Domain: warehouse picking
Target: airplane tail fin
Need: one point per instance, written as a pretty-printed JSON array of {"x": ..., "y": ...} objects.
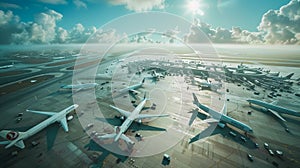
[
  {"x": 9, "y": 134},
  {"x": 146, "y": 97},
  {"x": 289, "y": 76},
  {"x": 12, "y": 139},
  {"x": 196, "y": 101}
]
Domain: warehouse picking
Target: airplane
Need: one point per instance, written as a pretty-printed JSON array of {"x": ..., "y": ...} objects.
[
  {"x": 103, "y": 76},
  {"x": 133, "y": 88},
  {"x": 210, "y": 86},
  {"x": 78, "y": 87},
  {"x": 7, "y": 66},
  {"x": 155, "y": 76},
  {"x": 130, "y": 117},
  {"x": 217, "y": 117},
  {"x": 17, "y": 138},
  {"x": 280, "y": 77},
  {"x": 274, "y": 109}
]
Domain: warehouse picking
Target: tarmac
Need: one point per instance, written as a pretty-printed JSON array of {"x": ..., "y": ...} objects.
[{"x": 170, "y": 95}]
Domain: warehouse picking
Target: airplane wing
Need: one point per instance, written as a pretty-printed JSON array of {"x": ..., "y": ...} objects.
[
  {"x": 20, "y": 144},
  {"x": 107, "y": 136},
  {"x": 126, "y": 139},
  {"x": 134, "y": 91},
  {"x": 205, "y": 133},
  {"x": 193, "y": 117},
  {"x": 274, "y": 102},
  {"x": 277, "y": 115},
  {"x": 142, "y": 116},
  {"x": 123, "y": 112},
  {"x": 211, "y": 121},
  {"x": 77, "y": 90},
  {"x": 42, "y": 112},
  {"x": 64, "y": 124},
  {"x": 224, "y": 109}
]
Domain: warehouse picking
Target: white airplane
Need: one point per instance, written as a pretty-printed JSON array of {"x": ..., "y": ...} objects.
[
  {"x": 156, "y": 76},
  {"x": 130, "y": 117},
  {"x": 103, "y": 76},
  {"x": 78, "y": 87},
  {"x": 271, "y": 107},
  {"x": 211, "y": 86},
  {"x": 6, "y": 66},
  {"x": 217, "y": 117},
  {"x": 280, "y": 77},
  {"x": 16, "y": 138},
  {"x": 133, "y": 88}
]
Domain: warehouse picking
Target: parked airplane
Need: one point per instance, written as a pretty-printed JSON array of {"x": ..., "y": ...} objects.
[
  {"x": 6, "y": 66},
  {"x": 133, "y": 88},
  {"x": 210, "y": 86},
  {"x": 280, "y": 77},
  {"x": 217, "y": 117},
  {"x": 103, "y": 76},
  {"x": 271, "y": 107},
  {"x": 16, "y": 138},
  {"x": 78, "y": 87},
  {"x": 155, "y": 76},
  {"x": 130, "y": 117}
]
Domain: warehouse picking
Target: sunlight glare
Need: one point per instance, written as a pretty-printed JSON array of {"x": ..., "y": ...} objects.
[{"x": 194, "y": 6}]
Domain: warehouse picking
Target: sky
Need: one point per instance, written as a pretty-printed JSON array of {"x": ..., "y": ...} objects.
[{"x": 223, "y": 21}]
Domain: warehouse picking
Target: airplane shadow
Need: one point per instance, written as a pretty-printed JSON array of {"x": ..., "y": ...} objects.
[
  {"x": 214, "y": 129},
  {"x": 282, "y": 123},
  {"x": 94, "y": 146},
  {"x": 225, "y": 132},
  {"x": 51, "y": 133}
]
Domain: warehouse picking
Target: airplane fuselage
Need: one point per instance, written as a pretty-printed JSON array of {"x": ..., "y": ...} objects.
[
  {"x": 224, "y": 118},
  {"x": 81, "y": 86},
  {"x": 126, "y": 124},
  {"x": 278, "y": 109}
]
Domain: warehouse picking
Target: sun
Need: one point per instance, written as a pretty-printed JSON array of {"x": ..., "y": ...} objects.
[{"x": 193, "y": 6}]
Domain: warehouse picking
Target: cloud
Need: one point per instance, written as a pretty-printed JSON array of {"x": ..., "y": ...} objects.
[
  {"x": 200, "y": 32},
  {"x": 276, "y": 27},
  {"x": 46, "y": 25},
  {"x": 9, "y": 5},
  {"x": 61, "y": 35},
  {"x": 54, "y": 2},
  {"x": 282, "y": 26},
  {"x": 9, "y": 24},
  {"x": 42, "y": 30},
  {"x": 244, "y": 36},
  {"x": 79, "y": 4},
  {"x": 172, "y": 34},
  {"x": 139, "y": 5}
]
